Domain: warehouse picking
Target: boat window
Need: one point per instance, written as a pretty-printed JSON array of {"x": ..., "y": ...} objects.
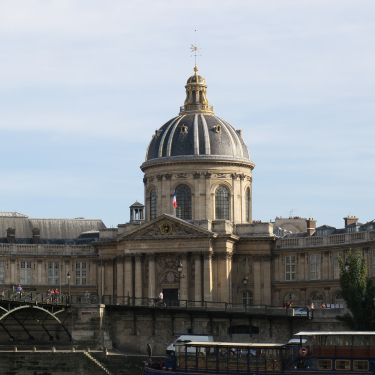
[
  {"x": 360, "y": 365},
  {"x": 361, "y": 341},
  {"x": 334, "y": 341},
  {"x": 272, "y": 353},
  {"x": 324, "y": 364},
  {"x": 342, "y": 364}
]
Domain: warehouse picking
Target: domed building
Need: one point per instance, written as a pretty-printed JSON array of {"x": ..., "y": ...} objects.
[
  {"x": 201, "y": 249},
  {"x": 203, "y": 159}
]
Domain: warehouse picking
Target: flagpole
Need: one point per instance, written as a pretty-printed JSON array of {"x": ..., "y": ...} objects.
[{"x": 174, "y": 203}]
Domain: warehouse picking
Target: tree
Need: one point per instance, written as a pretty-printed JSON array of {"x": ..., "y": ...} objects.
[{"x": 358, "y": 292}]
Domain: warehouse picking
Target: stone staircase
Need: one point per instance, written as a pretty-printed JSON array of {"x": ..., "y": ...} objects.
[{"x": 104, "y": 369}]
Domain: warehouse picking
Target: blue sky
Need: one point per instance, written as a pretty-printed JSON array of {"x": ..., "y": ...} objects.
[{"x": 84, "y": 84}]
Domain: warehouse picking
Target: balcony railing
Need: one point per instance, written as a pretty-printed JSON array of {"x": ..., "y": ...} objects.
[
  {"x": 329, "y": 240},
  {"x": 197, "y": 107}
]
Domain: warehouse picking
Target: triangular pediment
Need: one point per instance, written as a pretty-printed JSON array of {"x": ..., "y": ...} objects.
[{"x": 166, "y": 226}]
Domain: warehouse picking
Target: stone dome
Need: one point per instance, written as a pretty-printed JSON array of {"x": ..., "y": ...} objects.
[
  {"x": 197, "y": 132},
  {"x": 197, "y": 135}
]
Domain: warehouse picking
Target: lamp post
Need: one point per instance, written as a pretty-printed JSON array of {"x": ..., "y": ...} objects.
[
  {"x": 68, "y": 277},
  {"x": 245, "y": 281},
  {"x": 180, "y": 268},
  {"x": 347, "y": 265}
]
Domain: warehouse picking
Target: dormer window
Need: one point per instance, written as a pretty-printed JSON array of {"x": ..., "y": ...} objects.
[
  {"x": 183, "y": 129},
  {"x": 217, "y": 129}
]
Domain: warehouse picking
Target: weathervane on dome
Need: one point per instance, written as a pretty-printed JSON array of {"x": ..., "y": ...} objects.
[{"x": 195, "y": 49}]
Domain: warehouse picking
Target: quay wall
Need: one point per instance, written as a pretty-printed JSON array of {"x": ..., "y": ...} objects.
[{"x": 129, "y": 332}]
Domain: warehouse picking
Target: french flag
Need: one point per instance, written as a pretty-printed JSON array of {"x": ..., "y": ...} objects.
[{"x": 174, "y": 200}]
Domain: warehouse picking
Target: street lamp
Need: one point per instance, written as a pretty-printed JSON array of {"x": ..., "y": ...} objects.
[
  {"x": 245, "y": 281},
  {"x": 68, "y": 277},
  {"x": 180, "y": 268},
  {"x": 347, "y": 265}
]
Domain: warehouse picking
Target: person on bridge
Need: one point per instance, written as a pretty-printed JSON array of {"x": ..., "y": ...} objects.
[
  {"x": 56, "y": 294},
  {"x": 161, "y": 296},
  {"x": 19, "y": 289}
]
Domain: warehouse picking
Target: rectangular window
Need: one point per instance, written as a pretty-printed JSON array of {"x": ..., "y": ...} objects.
[
  {"x": 53, "y": 273},
  {"x": 360, "y": 365},
  {"x": 314, "y": 266},
  {"x": 290, "y": 267},
  {"x": 25, "y": 273},
  {"x": 2, "y": 272},
  {"x": 342, "y": 365},
  {"x": 81, "y": 273},
  {"x": 336, "y": 266},
  {"x": 324, "y": 364}
]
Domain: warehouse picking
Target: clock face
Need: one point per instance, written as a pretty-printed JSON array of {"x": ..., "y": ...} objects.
[{"x": 166, "y": 228}]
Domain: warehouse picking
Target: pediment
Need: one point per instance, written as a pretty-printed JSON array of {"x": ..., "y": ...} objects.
[{"x": 178, "y": 229}]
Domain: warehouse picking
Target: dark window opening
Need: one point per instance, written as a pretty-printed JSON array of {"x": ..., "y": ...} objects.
[
  {"x": 222, "y": 203},
  {"x": 243, "y": 330},
  {"x": 183, "y": 197},
  {"x": 153, "y": 204}
]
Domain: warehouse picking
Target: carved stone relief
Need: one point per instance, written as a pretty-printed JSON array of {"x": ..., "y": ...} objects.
[
  {"x": 182, "y": 175},
  {"x": 167, "y": 261},
  {"x": 221, "y": 175},
  {"x": 196, "y": 175},
  {"x": 168, "y": 176}
]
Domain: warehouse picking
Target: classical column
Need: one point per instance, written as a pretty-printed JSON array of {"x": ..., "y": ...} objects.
[
  {"x": 267, "y": 280},
  {"x": 138, "y": 276},
  {"x": 207, "y": 270},
  {"x": 151, "y": 276},
  {"x": 108, "y": 276},
  {"x": 224, "y": 268},
  {"x": 120, "y": 276},
  {"x": 129, "y": 275},
  {"x": 198, "y": 276},
  {"x": 209, "y": 198},
  {"x": 184, "y": 280},
  {"x": 257, "y": 297}
]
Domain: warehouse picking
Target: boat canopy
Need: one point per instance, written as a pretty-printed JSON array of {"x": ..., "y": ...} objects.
[
  {"x": 346, "y": 333},
  {"x": 233, "y": 344}
]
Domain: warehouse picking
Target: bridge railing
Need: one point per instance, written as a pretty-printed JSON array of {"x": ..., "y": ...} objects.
[{"x": 200, "y": 306}]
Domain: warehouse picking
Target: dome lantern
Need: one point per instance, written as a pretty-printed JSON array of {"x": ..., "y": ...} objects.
[{"x": 196, "y": 97}]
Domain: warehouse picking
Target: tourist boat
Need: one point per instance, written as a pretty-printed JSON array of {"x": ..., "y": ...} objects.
[{"x": 312, "y": 353}]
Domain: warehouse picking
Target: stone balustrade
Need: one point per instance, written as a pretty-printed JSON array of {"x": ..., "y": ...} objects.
[
  {"x": 326, "y": 241},
  {"x": 18, "y": 249}
]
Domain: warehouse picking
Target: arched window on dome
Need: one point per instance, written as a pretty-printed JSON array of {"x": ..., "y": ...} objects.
[
  {"x": 247, "y": 204},
  {"x": 222, "y": 203},
  {"x": 153, "y": 203},
  {"x": 183, "y": 197}
]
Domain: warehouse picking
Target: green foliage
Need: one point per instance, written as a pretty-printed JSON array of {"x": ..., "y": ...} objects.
[{"x": 358, "y": 292}]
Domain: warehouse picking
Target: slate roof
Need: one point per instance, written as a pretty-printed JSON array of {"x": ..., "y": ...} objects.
[
  {"x": 201, "y": 138},
  {"x": 50, "y": 229}
]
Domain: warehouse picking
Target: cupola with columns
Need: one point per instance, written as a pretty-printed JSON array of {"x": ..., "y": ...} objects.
[{"x": 204, "y": 159}]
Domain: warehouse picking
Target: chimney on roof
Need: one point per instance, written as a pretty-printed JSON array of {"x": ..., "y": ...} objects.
[
  {"x": 350, "y": 220},
  {"x": 11, "y": 235},
  {"x": 36, "y": 236},
  {"x": 311, "y": 226}
]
